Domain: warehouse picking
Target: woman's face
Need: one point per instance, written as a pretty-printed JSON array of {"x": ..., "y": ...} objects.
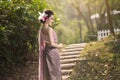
[{"x": 50, "y": 20}]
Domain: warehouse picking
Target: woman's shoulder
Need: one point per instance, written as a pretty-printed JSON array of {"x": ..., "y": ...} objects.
[{"x": 50, "y": 28}]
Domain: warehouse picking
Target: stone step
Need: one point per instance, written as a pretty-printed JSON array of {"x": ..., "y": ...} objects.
[
  {"x": 69, "y": 57},
  {"x": 67, "y": 61},
  {"x": 69, "y": 53},
  {"x": 66, "y": 72},
  {"x": 80, "y": 44},
  {"x": 67, "y": 66},
  {"x": 73, "y": 49},
  {"x": 65, "y": 77},
  {"x": 75, "y": 46}
]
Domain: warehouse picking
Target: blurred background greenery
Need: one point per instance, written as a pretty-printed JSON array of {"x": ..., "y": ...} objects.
[{"x": 81, "y": 19}]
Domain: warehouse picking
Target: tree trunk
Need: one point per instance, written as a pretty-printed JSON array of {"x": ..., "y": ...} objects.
[
  {"x": 86, "y": 21},
  {"x": 79, "y": 24},
  {"x": 90, "y": 21},
  {"x": 109, "y": 17},
  {"x": 81, "y": 15}
]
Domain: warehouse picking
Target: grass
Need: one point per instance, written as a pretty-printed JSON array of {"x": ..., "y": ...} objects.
[{"x": 102, "y": 61}]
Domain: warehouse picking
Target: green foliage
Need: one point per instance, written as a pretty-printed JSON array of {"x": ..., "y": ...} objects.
[
  {"x": 89, "y": 38},
  {"x": 102, "y": 61},
  {"x": 18, "y": 32},
  {"x": 114, "y": 44},
  {"x": 68, "y": 35}
]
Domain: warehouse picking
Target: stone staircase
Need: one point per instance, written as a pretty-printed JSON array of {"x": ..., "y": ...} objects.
[{"x": 68, "y": 58}]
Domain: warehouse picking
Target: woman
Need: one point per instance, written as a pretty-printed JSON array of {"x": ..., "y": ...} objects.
[{"x": 49, "y": 62}]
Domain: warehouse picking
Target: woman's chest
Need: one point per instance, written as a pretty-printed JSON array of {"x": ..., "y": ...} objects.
[{"x": 45, "y": 37}]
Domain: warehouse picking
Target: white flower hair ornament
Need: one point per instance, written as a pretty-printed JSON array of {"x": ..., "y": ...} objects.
[{"x": 42, "y": 16}]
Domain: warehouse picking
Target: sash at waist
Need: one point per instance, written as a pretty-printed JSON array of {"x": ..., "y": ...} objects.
[{"x": 50, "y": 47}]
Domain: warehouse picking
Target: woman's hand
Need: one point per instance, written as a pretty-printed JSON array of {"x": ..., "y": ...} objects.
[
  {"x": 46, "y": 42},
  {"x": 60, "y": 45}
]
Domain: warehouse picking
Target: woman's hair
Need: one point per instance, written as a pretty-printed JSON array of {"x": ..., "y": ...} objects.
[{"x": 48, "y": 13}]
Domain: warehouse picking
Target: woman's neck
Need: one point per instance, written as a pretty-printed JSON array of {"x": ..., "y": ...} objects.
[
  {"x": 45, "y": 25},
  {"x": 45, "y": 28}
]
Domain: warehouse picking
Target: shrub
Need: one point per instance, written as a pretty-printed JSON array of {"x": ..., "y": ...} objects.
[
  {"x": 102, "y": 61},
  {"x": 18, "y": 32}
]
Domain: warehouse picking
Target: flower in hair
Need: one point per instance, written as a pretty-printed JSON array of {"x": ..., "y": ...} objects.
[{"x": 42, "y": 16}]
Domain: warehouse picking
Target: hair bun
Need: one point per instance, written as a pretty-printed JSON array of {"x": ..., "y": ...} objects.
[{"x": 46, "y": 14}]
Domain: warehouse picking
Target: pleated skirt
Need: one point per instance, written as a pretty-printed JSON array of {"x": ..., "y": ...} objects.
[{"x": 51, "y": 64}]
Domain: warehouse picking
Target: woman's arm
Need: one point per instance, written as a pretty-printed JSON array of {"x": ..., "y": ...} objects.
[{"x": 51, "y": 39}]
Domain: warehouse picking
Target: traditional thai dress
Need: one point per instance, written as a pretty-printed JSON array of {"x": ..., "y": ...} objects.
[{"x": 49, "y": 61}]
